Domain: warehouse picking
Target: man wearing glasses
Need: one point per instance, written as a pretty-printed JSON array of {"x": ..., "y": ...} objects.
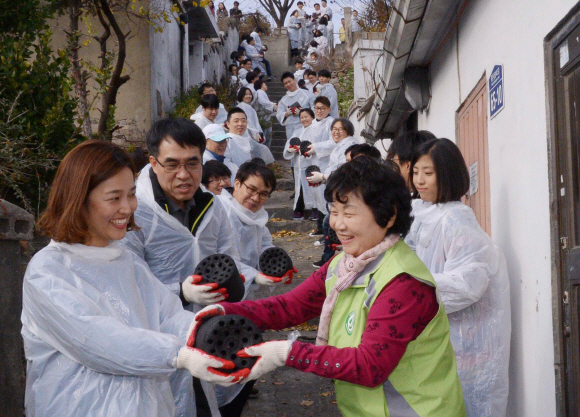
[{"x": 179, "y": 225}]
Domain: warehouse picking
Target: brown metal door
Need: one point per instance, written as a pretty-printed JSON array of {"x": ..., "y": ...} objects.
[
  {"x": 472, "y": 140},
  {"x": 567, "y": 91}
]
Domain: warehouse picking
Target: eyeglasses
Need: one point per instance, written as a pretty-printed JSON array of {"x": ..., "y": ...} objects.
[
  {"x": 218, "y": 180},
  {"x": 264, "y": 195},
  {"x": 320, "y": 108},
  {"x": 337, "y": 129},
  {"x": 172, "y": 167}
]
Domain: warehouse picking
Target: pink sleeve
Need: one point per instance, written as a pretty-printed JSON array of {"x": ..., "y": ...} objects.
[
  {"x": 398, "y": 316},
  {"x": 295, "y": 307}
]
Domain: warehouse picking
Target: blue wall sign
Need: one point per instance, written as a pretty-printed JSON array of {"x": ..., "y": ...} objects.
[{"x": 496, "y": 96}]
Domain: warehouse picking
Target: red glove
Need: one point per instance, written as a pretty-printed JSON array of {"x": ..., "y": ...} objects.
[{"x": 199, "y": 318}]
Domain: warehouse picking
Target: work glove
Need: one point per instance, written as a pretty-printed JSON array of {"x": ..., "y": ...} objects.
[
  {"x": 315, "y": 178},
  {"x": 263, "y": 279},
  {"x": 206, "y": 367},
  {"x": 293, "y": 149},
  {"x": 202, "y": 315},
  {"x": 311, "y": 150},
  {"x": 271, "y": 356},
  {"x": 262, "y": 139},
  {"x": 202, "y": 294}
]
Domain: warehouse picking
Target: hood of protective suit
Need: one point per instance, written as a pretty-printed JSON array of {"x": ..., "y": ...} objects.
[
  {"x": 260, "y": 218},
  {"x": 107, "y": 253},
  {"x": 241, "y": 142}
]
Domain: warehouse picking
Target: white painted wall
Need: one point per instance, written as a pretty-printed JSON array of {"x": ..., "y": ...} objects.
[
  {"x": 367, "y": 64},
  {"x": 165, "y": 67},
  {"x": 511, "y": 33}
]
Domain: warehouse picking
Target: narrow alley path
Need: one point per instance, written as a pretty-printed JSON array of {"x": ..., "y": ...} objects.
[{"x": 286, "y": 391}]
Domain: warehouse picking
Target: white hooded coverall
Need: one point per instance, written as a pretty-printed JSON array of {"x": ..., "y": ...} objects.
[
  {"x": 101, "y": 334},
  {"x": 471, "y": 275},
  {"x": 300, "y": 165}
]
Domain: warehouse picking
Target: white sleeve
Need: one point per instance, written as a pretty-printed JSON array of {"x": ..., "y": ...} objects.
[
  {"x": 470, "y": 259},
  {"x": 281, "y": 112},
  {"x": 325, "y": 147},
  {"x": 71, "y": 322}
]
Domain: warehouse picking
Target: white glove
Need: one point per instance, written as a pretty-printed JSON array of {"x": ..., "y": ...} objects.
[
  {"x": 272, "y": 355},
  {"x": 202, "y": 315},
  {"x": 311, "y": 150},
  {"x": 315, "y": 178},
  {"x": 206, "y": 367},
  {"x": 202, "y": 294}
]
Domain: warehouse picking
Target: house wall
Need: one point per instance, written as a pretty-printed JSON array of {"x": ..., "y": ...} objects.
[
  {"x": 511, "y": 33},
  {"x": 209, "y": 60}
]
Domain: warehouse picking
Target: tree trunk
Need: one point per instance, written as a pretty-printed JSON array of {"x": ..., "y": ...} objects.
[
  {"x": 110, "y": 96},
  {"x": 79, "y": 75}
]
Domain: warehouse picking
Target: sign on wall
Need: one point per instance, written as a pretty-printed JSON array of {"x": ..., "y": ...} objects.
[{"x": 496, "y": 91}]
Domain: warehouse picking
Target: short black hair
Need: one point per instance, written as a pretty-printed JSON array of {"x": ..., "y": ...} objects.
[
  {"x": 202, "y": 87},
  {"x": 405, "y": 145},
  {"x": 346, "y": 125},
  {"x": 310, "y": 71},
  {"x": 210, "y": 101},
  {"x": 250, "y": 76},
  {"x": 381, "y": 188},
  {"x": 258, "y": 84},
  {"x": 307, "y": 110},
  {"x": 298, "y": 61},
  {"x": 242, "y": 93},
  {"x": 232, "y": 66},
  {"x": 234, "y": 55},
  {"x": 258, "y": 160},
  {"x": 450, "y": 169},
  {"x": 287, "y": 74},
  {"x": 325, "y": 73},
  {"x": 323, "y": 21},
  {"x": 364, "y": 149},
  {"x": 235, "y": 110},
  {"x": 184, "y": 132},
  {"x": 245, "y": 61},
  {"x": 314, "y": 44},
  {"x": 250, "y": 168},
  {"x": 214, "y": 169},
  {"x": 323, "y": 100},
  {"x": 259, "y": 30},
  {"x": 302, "y": 84}
]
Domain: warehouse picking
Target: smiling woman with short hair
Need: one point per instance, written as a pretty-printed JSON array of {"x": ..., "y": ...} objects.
[{"x": 383, "y": 335}]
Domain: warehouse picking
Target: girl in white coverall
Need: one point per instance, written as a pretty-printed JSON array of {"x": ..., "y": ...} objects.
[
  {"x": 470, "y": 272},
  {"x": 101, "y": 333}
]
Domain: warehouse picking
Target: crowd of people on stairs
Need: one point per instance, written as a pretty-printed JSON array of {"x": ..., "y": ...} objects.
[{"x": 412, "y": 295}]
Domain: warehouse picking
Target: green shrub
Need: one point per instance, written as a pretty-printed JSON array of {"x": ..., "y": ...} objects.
[
  {"x": 345, "y": 91},
  {"x": 36, "y": 109},
  {"x": 185, "y": 105}
]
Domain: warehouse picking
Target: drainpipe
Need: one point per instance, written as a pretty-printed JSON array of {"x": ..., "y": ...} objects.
[{"x": 185, "y": 19}]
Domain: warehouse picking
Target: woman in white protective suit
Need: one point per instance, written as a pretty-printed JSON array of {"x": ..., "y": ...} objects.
[
  {"x": 470, "y": 272},
  {"x": 253, "y": 186},
  {"x": 101, "y": 333},
  {"x": 303, "y": 198}
]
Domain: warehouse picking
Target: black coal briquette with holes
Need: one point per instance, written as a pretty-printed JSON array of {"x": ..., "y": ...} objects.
[
  {"x": 304, "y": 146},
  {"x": 294, "y": 141},
  {"x": 275, "y": 262},
  {"x": 222, "y": 270},
  {"x": 332, "y": 237},
  {"x": 311, "y": 169},
  {"x": 224, "y": 336}
]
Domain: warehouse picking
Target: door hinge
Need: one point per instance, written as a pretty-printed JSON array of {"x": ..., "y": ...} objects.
[{"x": 564, "y": 242}]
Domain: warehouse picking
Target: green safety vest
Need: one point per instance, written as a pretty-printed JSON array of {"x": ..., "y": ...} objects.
[{"x": 424, "y": 382}]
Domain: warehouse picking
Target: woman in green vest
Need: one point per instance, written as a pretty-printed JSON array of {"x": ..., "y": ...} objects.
[{"x": 383, "y": 334}]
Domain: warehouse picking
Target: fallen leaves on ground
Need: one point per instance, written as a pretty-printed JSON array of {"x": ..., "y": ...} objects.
[
  {"x": 303, "y": 326},
  {"x": 278, "y": 383},
  {"x": 307, "y": 403},
  {"x": 285, "y": 233},
  {"x": 276, "y": 220},
  {"x": 325, "y": 394}
]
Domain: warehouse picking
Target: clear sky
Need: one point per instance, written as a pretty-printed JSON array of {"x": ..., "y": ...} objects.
[{"x": 252, "y": 5}]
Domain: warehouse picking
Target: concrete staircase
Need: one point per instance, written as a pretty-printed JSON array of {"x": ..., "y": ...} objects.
[{"x": 275, "y": 92}]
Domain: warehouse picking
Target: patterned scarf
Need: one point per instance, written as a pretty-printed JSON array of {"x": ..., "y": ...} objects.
[{"x": 349, "y": 268}]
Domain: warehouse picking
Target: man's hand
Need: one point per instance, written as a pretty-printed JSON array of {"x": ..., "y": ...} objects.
[
  {"x": 202, "y": 315},
  {"x": 315, "y": 178},
  {"x": 203, "y": 294}
]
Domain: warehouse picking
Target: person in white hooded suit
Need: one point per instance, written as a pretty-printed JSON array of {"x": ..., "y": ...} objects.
[
  {"x": 179, "y": 225},
  {"x": 102, "y": 335},
  {"x": 253, "y": 186},
  {"x": 243, "y": 144},
  {"x": 471, "y": 274},
  {"x": 289, "y": 106}
]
